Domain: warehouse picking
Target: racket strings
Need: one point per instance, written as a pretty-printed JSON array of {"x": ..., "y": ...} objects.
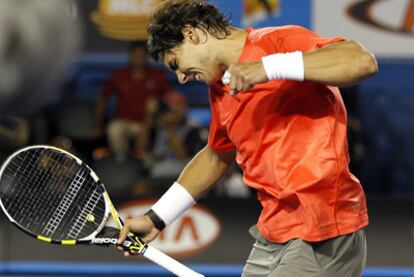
[
  {"x": 49, "y": 197},
  {"x": 20, "y": 204},
  {"x": 87, "y": 214},
  {"x": 47, "y": 192},
  {"x": 46, "y": 185},
  {"x": 28, "y": 186},
  {"x": 56, "y": 185},
  {"x": 65, "y": 203},
  {"x": 19, "y": 191},
  {"x": 85, "y": 211}
]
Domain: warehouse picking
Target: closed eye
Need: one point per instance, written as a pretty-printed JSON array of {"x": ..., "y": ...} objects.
[{"x": 173, "y": 65}]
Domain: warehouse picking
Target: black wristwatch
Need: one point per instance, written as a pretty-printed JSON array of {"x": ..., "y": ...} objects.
[{"x": 156, "y": 220}]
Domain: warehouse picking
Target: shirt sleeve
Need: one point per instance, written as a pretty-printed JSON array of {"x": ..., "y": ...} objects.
[
  {"x": 218, "y": 139},
  {"x": 296, "y": 38}
]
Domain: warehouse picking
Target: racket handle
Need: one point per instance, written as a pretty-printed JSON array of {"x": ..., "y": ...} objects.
[{"x": 169, "y": 263}]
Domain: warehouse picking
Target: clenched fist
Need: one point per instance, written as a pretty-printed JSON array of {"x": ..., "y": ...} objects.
[
  {"x": 141, "y": 226},
  {"x": 243, "y": 76}
]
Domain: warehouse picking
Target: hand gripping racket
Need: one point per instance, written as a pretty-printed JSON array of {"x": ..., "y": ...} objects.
[{"x": 53, "y": 196}]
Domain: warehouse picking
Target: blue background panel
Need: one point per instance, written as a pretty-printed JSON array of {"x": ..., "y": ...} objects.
[
  {"x": 149, "y": 270},
  {"x": 296, "y": 12}
]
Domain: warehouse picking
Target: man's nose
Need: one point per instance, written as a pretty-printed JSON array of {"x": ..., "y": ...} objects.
[{"x": 182, "y": 78}]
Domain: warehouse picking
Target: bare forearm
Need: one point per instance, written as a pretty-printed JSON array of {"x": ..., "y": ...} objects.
[
  {"x": 339, "y": 64},
  {"x": 204, "y": 170}
]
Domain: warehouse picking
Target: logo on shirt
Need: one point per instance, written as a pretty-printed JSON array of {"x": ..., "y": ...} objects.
[{"x": 388, "y": 15}]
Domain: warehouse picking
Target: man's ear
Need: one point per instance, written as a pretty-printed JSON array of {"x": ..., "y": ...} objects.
[{"x": 190, "y": 34}]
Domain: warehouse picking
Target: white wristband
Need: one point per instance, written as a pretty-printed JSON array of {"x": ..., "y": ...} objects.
[
  {"x": 173, "y": 203},
  {"x": 288, "y": 66}
]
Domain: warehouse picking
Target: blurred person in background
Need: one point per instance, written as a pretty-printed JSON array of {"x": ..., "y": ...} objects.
[
  {"x": 278, "y": 112},
  {"x": 175, "y": 138},
  {"x": 133, "y": 86},
  {"x": 38, "y": 39}
]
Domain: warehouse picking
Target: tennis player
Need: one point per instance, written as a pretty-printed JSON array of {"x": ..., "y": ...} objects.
[{"x": 281, "y": 117}]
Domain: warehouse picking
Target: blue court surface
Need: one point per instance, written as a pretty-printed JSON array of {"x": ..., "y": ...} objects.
[{"x": 147, "y": 270}]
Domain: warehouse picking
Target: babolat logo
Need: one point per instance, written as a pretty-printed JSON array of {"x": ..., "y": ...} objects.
[
  {"x": 382, "y": 14},
  {"x": 104, "y": 240},
  {"x": 110, "y": 241}
]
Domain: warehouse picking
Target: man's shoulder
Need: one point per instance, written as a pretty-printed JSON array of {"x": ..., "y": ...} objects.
[
  {"x": 260, "y": 33},
  {"x": 268, "y": 40}
]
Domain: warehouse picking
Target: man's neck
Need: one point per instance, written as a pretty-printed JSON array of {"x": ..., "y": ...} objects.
[{"x": 232, "y": 47}]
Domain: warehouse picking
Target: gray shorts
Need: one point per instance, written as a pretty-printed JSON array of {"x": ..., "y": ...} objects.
[{"x": 343, "y": 256}]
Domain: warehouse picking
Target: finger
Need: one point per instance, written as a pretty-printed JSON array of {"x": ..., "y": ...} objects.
[
  {"x": 123, "y": 234},
  {"x": 233, "y": 84},
  {"x": 247, "y": 86},
  {"x": 120, "y": 248},
  {"x": 239, "y": 84},
  {"x": 147, "y": 238},
  {"x": 126, "y": 253}
]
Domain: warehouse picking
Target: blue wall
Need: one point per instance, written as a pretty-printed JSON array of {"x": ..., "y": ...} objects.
[
  {"x": 291, "y": 12},
  {"x": 96, "y": 269}
]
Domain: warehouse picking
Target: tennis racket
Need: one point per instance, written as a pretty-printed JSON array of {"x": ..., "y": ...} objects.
[{"x": 53, "y": 196}]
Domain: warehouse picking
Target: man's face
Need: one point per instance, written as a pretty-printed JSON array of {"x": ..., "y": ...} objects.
[
  {"x": 193, "y": 62},
  {"x": 138, "y": 57}
]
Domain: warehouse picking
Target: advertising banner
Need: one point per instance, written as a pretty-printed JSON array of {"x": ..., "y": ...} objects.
[
  {"x": 109, "y": 24},
  {"x": 260, "y": 13},
  {"x": 189, "y": 235},
  {"x": 383, "y": 26},
  {"x": 123, "y": 19},
  {"x": 216, "y": 232}
]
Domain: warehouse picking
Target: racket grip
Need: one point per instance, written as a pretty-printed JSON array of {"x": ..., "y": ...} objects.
[{"x": 169, "y": 263}]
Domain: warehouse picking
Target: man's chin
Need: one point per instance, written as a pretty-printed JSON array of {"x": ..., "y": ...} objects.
[{"x": 207, "y": 81}]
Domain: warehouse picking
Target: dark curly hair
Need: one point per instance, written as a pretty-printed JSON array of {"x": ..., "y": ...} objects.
[{"x": 166, "y": 23}]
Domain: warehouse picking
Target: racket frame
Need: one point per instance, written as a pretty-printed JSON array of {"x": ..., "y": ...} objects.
[
  {"x": 89, "y": 238},
  {"x": 133, "y": 242}
]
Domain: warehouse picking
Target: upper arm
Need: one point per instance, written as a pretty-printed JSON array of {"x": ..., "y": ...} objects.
[{"x": 226, "y": 157}]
